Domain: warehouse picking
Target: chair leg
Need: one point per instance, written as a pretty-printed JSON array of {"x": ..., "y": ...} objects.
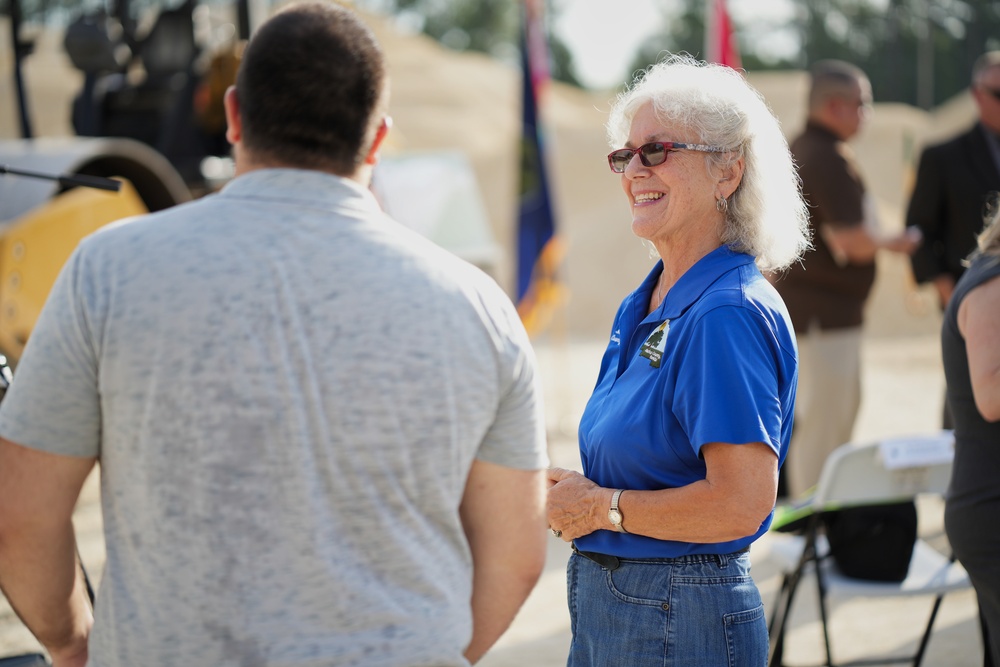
[
  {"x": 776, "y": 626},
  {"x": 783, "y": 605},
  {"x": 919, "y": 657},
  {"x": 782, "y": 610},
  {"x": 821, "y": 592}
]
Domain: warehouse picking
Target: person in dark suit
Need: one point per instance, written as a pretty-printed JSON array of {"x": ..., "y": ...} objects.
[{"x": 953, "y": 180}]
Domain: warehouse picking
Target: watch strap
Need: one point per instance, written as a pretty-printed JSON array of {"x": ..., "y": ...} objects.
[{"x": 616, "y": 511}]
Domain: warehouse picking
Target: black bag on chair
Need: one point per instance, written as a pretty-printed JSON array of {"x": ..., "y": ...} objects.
[{"x": 873, "y": 542}]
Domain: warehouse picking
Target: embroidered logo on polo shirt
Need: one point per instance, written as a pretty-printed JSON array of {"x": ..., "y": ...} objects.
[
  {"x": 616, "y": 337},
  {"x": 655, "y": 345}
]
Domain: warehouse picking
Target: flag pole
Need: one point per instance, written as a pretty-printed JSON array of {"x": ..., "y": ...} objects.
[
  {"x": 720, "y": 35},
  {"x": 539, "y": 249}
]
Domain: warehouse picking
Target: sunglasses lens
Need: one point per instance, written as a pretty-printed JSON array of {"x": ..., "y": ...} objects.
[
  {"x": 653, "y": 154},
  {"x": 650, "y": 155},
  {"x": 619, "y": 159}
]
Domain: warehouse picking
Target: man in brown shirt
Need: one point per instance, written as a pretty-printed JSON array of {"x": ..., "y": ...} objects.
[{"x": 826, "y": 292}]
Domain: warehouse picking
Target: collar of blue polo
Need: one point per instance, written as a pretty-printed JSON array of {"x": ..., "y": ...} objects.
[{"x": 692, "y": 284}]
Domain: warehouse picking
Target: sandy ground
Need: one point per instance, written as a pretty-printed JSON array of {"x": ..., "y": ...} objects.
[{"x": 903, "y": 386}]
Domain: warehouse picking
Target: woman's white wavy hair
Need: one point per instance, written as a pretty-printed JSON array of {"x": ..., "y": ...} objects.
[
  {"x": 767, "y": 216},
  {"x": 988, "y": 241}
]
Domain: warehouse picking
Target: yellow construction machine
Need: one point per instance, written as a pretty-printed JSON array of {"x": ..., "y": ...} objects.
[
  {"x": 145, "y": 116},
  {"x": 47, "y": 204}
]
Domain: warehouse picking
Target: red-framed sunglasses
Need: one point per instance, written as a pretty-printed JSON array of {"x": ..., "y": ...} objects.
[{"x": 653, "y": 153}]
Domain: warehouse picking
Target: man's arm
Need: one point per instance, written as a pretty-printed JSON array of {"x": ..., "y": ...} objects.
[
  {"x": 857, "y": 245},
  {"x": 926, "y": 212},
  {"x": 503, "y": 513},
  {"x": 849, "y": 215},
  {"x": 39, "y": 573},
  {"x": 944, "y": 285}
]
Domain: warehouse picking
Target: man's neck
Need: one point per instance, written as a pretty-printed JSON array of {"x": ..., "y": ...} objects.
[
  {"x": 995, "y": 131},
  {"x": 825, "y": 125},
  {"x": 245, "y": 163}
]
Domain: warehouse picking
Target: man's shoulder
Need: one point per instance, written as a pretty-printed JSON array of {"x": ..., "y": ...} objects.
[
  {"x": 954, "y": 144},
  {"x": 138, "y": 224},
  {"x": 430, "y": 255},
  {"x": 814, "y": 135},
  {"x": 816, "y": 149}
]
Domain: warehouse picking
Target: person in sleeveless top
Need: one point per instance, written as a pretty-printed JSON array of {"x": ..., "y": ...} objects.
[{"x": 970, "y": 343}]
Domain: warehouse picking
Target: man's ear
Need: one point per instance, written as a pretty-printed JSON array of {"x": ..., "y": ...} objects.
[
  {"x": 380, "y": 135},
  {"x": 234, "y": 128}
]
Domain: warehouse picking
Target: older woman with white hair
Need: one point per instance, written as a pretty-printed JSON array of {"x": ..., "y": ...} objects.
[{"x": 691, "y": 416}]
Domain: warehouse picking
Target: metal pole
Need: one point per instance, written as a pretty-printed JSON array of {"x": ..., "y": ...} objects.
[
  {"x": 120, "y": 11},
  {"x": 243, "y": 24},
  {"x": 925, "y": 63},
  {"x": 68, "y": 180},
  {"x": 21, "y": 49}
]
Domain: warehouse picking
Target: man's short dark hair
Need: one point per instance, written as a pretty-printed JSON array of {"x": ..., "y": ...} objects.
[
  {"x": 828, "y": 78},
  {"x": 310, "y": 86}
]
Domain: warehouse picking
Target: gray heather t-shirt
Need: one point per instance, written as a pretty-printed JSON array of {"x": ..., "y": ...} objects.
[{"x": 286, "y": 391}]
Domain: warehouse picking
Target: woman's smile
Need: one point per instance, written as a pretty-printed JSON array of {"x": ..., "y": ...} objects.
[{"x": 646, "y": 198}]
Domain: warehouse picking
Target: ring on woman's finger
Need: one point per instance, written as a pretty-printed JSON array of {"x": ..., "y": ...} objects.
[{"x": 557, "y": 533}]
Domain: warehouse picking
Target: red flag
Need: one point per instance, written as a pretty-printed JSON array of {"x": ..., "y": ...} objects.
[{"x": 720, "y": 38}]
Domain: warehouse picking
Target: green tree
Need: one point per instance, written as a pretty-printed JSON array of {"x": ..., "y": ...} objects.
[
  {"x": 487, "y": 26},
  {"x": 915, "y": 51},
  {"x": 685, "y": 32}
]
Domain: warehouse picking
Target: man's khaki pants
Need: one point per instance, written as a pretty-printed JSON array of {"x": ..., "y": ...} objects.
[{"x": 829, "y": 395}]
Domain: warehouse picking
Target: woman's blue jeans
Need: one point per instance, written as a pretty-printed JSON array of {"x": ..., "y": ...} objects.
[{"x": 693, "y": 611}]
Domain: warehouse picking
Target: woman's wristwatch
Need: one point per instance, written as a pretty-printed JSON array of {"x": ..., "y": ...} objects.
[{"x": 615, "y": 514}]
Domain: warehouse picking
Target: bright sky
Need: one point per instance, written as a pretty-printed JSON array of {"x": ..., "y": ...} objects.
[{"x": 604, "y": 35}]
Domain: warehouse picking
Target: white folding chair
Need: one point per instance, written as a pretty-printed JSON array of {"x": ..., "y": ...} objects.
[{"x": 893, "y": 470}]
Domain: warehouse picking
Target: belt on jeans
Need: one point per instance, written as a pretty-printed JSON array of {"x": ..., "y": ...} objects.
[
  {"x": 610, "y": 562},
  {"x": 606, "y": 561}
]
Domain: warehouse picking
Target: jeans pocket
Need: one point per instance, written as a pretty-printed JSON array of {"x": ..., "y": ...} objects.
[
  {"x": 746, "y": 636},
  {"x": 635, "y": 584}
]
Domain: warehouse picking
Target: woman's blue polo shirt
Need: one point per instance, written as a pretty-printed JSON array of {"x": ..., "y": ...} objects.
[{"x": 716, "y": 362}]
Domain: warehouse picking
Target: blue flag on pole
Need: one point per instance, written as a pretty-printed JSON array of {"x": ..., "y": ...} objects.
[{"x": 538, "y": 250}]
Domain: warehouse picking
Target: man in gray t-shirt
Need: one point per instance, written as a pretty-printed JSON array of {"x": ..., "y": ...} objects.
[{"x": 320, "y": 436}]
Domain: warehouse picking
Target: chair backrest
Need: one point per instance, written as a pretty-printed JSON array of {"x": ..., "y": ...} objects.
[{"x": 861, "y": 474}]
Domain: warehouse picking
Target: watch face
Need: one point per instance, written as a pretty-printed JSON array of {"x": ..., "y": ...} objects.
[{"x": 615, "y": 517}]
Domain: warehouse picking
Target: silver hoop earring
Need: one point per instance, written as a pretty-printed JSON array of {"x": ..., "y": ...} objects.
[{"x": 722, "y": 205}]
